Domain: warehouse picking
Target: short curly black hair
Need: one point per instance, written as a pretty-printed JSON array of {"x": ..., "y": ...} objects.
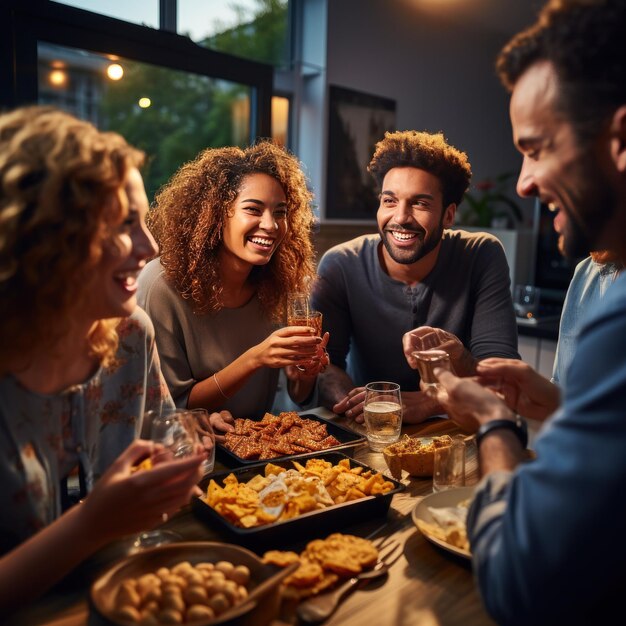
[
  {"x": 424, "y": 151},
  {"x": 585, "y": 42}
]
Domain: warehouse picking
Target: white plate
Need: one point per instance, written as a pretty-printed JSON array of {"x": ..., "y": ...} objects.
[{"x": 449, "y": 497}]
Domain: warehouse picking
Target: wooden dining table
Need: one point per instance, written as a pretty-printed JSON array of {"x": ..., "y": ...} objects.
[{"x": 426, "y": 586}]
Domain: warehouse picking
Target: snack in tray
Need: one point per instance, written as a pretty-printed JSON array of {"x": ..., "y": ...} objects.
[
  {"x": 182, "y": 594},
  {"x": 449, "y": 524},
  {"x": 323, "y": 563},
  {"x": 278, "y": 435},
  {"x": 281, "y": 494},
  {"x": 414, "y": 455}
]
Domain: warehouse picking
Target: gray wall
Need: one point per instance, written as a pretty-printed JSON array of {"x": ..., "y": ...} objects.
[{"x": 438, "y": 68}]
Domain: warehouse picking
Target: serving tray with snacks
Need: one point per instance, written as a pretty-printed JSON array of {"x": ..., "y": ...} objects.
[
  {"x": 273, "y": 502},
  {"x": 285, "y": 436}
]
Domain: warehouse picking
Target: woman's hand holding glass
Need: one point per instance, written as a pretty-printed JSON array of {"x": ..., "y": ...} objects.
[
  {"x": 311, "y": 368},
  {"x": 301, "y": 314},
  {"x": 174, "y": 433},
  {"x": 126, "y": 500},
  {"x": 286, "y": 346}
]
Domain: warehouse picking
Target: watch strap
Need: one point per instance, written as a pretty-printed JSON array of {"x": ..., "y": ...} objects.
[{"x": 518, "y": 427}]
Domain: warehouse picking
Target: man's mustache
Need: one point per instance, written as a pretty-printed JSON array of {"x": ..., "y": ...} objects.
[{"x": 402, "y": 229}]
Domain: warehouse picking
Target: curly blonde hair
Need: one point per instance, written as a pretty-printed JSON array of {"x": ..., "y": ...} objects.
[
  {"x": 190, "y": 212},
  {"x": 62, "y": 185}
]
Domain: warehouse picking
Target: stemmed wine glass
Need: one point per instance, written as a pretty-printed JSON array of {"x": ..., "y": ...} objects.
[{"x": 175, "y": 430}]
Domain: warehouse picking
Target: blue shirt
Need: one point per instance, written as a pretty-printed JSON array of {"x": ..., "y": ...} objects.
[
  {"x": 588, "y": 286},
  {"x": 548, "y": 539}
]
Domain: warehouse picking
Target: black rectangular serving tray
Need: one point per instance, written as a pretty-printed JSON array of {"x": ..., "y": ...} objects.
[
  {"x": 347, "y": 438},
  {"x": 299, "y": 529}
]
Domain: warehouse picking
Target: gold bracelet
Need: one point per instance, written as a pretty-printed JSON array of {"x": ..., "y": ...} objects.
[{"x": 217, "y": 382}]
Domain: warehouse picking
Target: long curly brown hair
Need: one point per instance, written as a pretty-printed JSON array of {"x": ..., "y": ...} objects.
[
  {"x": 62, "y": 185},
  {"x": 189, "y": 214}
]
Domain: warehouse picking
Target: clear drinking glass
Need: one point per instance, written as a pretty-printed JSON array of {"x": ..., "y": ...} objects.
[
  {"x": 449, "y": 465},
  {"x": 200, "y": 418},
  {"x": 175, "y": 430},
  {"x": 300, "y": 313},
  {"x": 427, "y": 361},
  {"x": 382, "y": 411},
  {"x": 298, "y": 308}
]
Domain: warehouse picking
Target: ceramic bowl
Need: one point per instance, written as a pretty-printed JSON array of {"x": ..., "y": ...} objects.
[{"x": 264, "y": 587}]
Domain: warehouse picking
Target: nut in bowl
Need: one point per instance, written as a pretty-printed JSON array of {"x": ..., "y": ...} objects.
[
  {"x": 200, "y": 583},
  {"x": 414, "y": 455}
]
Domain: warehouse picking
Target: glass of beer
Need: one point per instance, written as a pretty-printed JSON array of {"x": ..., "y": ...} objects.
[
  {"x": 383, "y": 414},
  {"x": 300, "y": 313}
]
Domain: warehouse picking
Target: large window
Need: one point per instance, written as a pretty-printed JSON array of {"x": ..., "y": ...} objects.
[
  {"x": 164, "y": 93},
  {"x": 169, "y": 114},
  {"x": 253, "y": 29},
  {"x": 144, "y": 12}
]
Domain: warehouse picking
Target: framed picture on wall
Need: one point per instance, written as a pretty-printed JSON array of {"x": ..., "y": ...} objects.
[{"x": 357, "y": 121}]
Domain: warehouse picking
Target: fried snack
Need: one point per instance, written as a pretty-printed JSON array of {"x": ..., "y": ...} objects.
[
  {"x": 278, "y": 435},
  {"x": 146, "y": 464},
  {"x": 285, "y": 494},
  {"x": 413, "y": 455},
  {"x": 324, "y": 562},
  {"x": 181, "y": 594},
  {"x": 280, "y": 558}
]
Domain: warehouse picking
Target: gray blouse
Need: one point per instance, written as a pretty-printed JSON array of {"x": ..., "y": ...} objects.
[{"x": 193, "y": 347}]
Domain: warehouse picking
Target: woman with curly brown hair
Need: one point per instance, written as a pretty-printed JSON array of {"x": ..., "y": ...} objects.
[
  {"x": 233, "y": 226},
  {"x": 78, "y": 365}
]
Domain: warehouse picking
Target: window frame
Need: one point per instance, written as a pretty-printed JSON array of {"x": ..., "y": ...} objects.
[{"x": 24, "y": 23}]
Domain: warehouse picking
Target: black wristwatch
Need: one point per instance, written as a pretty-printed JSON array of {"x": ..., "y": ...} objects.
[{"x": 517, "y": 426}]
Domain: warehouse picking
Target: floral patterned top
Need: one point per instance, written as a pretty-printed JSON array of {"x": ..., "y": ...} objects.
[{"x": 43, "y": 437}]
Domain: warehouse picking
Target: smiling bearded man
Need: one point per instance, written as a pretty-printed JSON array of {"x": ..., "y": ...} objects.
[{"x": 452, "y": 286}]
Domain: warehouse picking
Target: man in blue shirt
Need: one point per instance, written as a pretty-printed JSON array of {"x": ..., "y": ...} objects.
[{"x": 547, "y": 536}]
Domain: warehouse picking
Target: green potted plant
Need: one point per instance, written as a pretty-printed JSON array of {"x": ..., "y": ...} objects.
[{"x": 491, "y": 206}]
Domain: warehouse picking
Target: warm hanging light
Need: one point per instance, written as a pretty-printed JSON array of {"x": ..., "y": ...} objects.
[
  {"x": 57, "y": 78},
  {"x": 115, "y": 71},
  {"x": 144, "y": 103}
]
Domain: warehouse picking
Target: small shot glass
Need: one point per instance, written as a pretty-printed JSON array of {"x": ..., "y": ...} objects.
[
  {"x": 449, "y": 465},
  {"x": 427, "y": 361}
]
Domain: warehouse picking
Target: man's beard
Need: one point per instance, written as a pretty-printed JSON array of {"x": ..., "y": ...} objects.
[
  {"x": 425, "y": 245},
  {"x": 596, "y": 205}
]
